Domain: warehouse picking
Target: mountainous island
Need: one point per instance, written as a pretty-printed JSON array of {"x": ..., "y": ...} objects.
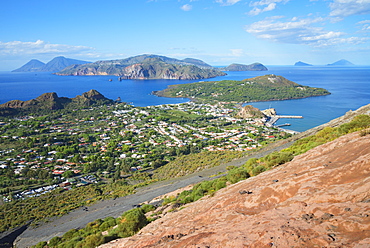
[
  {"x": 341, "y": 62},
  {"x": 54, "y": 65},
  {"x": 146, "y": 67},
  {"x": 300, "y": 63},
  {"x": 241, "y": 67},
  {"x": 51, "y": 101},
  {"x": 262, "y": 88}
]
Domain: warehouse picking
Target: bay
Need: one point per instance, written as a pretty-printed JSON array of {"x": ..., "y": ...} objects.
[{"x": 349, "y": 87}]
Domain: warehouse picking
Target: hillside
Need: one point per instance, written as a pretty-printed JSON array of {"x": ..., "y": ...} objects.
[
  {"x": 51, "y": 101},
  {"x": 319, "y": 199},
  {"x": 146, "y": 67},
  {"x": 241, "y": 67},
  {"x": 262, "y": 88},
  {"x": 54, "y": 65}
]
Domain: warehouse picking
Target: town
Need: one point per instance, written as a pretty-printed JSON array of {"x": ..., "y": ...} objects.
[{"x": 70, "y": 149}]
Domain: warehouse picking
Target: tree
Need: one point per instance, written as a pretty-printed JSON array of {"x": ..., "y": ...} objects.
[{"x": 68, "y": 174}]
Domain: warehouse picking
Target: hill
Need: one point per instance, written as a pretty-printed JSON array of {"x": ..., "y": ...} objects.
[
  {"x": 51, "y": 101},
  {"x": 30, "y": 66},
  {"x": 54, "y": 65},
  {"x": 262, "y": 88},
  {"x": 300, "y": 63},
  {"x": 145, "y": 67},
  {"x": 241, "y": 67},
  {"x": 319, "y": 199},
  {"x": 341, "y": 62}
]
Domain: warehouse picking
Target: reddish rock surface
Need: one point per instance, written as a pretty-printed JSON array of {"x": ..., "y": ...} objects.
[{"x": 320, "y": 199}]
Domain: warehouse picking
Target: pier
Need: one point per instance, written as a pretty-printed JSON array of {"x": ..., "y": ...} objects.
[{"x": 274, "y": 118}]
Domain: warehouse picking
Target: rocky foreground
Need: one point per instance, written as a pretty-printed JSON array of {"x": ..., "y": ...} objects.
[{"x": 320, "y": 199}]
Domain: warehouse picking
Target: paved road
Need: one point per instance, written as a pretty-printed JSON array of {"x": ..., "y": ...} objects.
[{"x": 79, "y": 217}]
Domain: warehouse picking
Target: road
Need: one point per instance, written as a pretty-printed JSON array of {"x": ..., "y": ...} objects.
[{"x": 80, "y": 217}]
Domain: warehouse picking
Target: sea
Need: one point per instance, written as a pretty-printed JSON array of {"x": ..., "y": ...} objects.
[{"x": 349, "y": 87}]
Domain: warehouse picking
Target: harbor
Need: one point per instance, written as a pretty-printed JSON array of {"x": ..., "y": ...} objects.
[{"x": 272, "y": 118}]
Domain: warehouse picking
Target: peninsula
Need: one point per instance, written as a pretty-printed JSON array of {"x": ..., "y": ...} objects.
[{"x": 262, "y": 88}]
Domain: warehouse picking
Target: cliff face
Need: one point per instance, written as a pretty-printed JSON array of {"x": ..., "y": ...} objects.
[
  {"x": 146, "y": 67},
  {"x": 156, "y": 69},
  {"x": 320, "y": 199}
]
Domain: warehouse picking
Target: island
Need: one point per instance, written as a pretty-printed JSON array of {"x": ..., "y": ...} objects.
[
  {"x": 261, "y": 88},
  {"x": 147, "y": 67},
  {"x": 241, "y": 67},
  {"x": 341, "y": 62},
  {"x": 300, "y": 63},
  {"x": 54, "y": 65}
]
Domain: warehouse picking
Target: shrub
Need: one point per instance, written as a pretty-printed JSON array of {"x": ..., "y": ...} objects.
[
  {"x": 54, "y": 241},
  {"x": 237, "y": 174},
  {"x": 147, "y": 208}
]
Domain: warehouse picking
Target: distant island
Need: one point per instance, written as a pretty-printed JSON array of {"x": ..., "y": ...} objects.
[
  {"x": 300, "y": 63},
  {"x": 241, "y": 67},
  {"x": 262, "y": 88},
  {"x": 341, "y": 62},
  {"x": 54, "y": 65},
  {"x": 51, "y": 101},
  {"x": 146, "y": 67}
]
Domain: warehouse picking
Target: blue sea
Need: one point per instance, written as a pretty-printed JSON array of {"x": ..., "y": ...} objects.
[{"x": 349, "y": 87}]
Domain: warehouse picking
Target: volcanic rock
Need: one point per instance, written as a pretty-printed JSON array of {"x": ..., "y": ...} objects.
[{"x": 319, "y": 199}]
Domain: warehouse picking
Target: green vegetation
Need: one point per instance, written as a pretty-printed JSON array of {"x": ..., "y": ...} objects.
[
  {"x": 102, "y": 231},
  {"x": 264, "y": 88},
  {"x": 133, "y": 220},
  {"x": 56, "y": 161}
]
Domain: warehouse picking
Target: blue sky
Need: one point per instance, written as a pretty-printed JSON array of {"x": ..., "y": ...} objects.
[{"x": 219, "y": 32}]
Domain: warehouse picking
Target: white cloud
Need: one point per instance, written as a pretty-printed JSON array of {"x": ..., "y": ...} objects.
[
  {"x": 269, "y": 5},
  {"x": 257, "y": 11},
  {"x": 237, "y": 52},
  {"x": 299, "y": 31},
  {"x": 39, "y": 47},
  {"x": 227, "y": 2},
  {"x": 365, "y": 25},
  {"x": 343, "y": 8},
  {"x": 186, "y": 7}
]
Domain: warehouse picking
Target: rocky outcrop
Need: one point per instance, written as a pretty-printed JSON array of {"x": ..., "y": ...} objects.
[
  {"x": 249, "y": 111},
  {"x": 241, "y": 67},
  {"x": 320, "y": 199},
  {"x": 51, "y": 101}
]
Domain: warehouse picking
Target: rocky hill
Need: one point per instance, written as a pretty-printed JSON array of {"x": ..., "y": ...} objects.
[
  {"x": 145, "y": 67},
  {"x": 249, "y": 111},
  {"x": 319, "y": 199},
  {"x": 51, "y": 101},
  {"x": 54, "y": 65},
  {"x": 241, "y": 67}
]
